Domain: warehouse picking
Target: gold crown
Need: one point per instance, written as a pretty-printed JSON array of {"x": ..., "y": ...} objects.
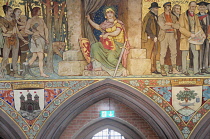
[{"x": 110, "y": 9}]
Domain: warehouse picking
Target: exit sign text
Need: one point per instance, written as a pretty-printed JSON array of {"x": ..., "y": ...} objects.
[{"x": 106, "y": 114}]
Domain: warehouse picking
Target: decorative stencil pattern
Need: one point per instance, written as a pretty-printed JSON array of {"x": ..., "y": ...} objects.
[
  {"x": 56, "y": 93},
  {"x": 162, "y": 97},
  {"x": 53, "y": 99}
]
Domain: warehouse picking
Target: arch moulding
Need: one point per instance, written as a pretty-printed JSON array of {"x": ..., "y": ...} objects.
[{"x": 153, "y": 114}]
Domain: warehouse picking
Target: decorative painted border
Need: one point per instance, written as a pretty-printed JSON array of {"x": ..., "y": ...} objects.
[
  {"x": 71, "y": 87},
  {"x": 185, "y": 128},
  {"x": 31, "y": 131}
]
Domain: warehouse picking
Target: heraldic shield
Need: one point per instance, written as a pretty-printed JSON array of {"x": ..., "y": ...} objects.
[
  {"x": 85, "y": 48},
  {"x": 186, "y": 100},
  {"x": 29, "y": 103}
]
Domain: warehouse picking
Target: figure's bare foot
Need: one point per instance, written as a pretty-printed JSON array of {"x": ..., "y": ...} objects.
[{"x": 44, "y": 75}]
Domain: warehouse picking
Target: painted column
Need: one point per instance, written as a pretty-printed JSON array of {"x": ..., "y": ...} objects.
[
  {"x": 137, "y": 62},
  {"x": 73, "y": 63}
]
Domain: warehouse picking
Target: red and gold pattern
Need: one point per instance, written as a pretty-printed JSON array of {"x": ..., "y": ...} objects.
[
  {"x": 85, "y": 47},
  {"x": 108, "y": 43}
]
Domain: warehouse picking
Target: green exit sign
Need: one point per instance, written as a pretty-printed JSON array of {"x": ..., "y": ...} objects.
[{"x": 106, "y": 114}]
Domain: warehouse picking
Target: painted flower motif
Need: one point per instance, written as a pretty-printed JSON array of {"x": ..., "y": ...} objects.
[
  {"x": 186, "y": 118},
  {"x": 186, "y": 136},
  {"x": 31, "y": 134},
  {"x": 36, "y": 127},
  {"x": 206, "y": 93},
  {"x": 202, "y": 111},
  {"x": 163, "y": 82},
  {"x": 168, "y": 109},
  {"x": 145, "y": 90},
  {"x": 165, "y": 92},
  {"x": 157, "y": 99},
  {"x": 65, "y": 84},
  {"x": 134, "y": 83},
  {"x": 207, "y": 106},
  {"x": 191, "y": 125},
  {"x": 186, "y": 130},
  {"x": 196, "y": 117},
  {"x": 25, "y": 128},
  {"x": 69, "y": 92},
  {"x": 72, "y": 83},
  {"x": 7, "y": 85},
  {"x": 49, "y": 84},
  {"x": 153, "y": 82},
  {"x": 176, "y": 119},
  {"x": 146, "y": 82},
  {"x": 207, "y": 81},
  {"x": 141, "y": 81}
]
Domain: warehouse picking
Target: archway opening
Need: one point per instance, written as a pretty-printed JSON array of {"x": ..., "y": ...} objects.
[
  {"x": 108, "y": 134},
  {"x": 72, "y": 111}
]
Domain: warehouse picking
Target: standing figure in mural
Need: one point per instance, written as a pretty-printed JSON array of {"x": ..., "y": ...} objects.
[
  {"x": 176, "y": 11},
  {"x": 208, "y": 34},
  {"x": 150, "y": 30},
  {"x": 11, "y": 35},
  {"x": 167, "y": 37},
  {"x": 38, "y": 29},
  {"x": 103, "y": 56},
  {"x": 204, "y": 19},
  {"x": 189, "y": 26},
  {"x": 21, "y": 24}
]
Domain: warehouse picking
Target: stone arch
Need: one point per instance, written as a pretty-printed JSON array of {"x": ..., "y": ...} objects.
[
  {"x": 121, "y": 126},
  {"x": 8, "y": 128},
  {"x": 158, "y": 120},
  {"x": 202, "y": 130}
]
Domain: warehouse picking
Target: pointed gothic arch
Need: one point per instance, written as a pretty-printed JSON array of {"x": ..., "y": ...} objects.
[
  {"x": 202, "y": 130},
  {"x": 8, "y": 128},
  {"x": 155, "y": 116},
  {"x": 121, "y": 126}
]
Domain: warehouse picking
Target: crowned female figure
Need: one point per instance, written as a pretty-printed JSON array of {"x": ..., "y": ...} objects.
[{"x": 105, "y": 54}]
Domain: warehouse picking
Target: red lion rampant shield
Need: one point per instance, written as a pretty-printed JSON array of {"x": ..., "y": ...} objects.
[{"x": 85, "y": 47}]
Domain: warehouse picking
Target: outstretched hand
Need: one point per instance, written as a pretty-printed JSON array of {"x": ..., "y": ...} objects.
[{"x": 88, "y": 17}]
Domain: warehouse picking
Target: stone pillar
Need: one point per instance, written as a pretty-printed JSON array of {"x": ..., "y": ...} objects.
[
  {"x": 134, "y": 22},
  {"x": 73, "y": 63},
  {"x": 74, "y": 17},
  {"x": 137, "y": 62}
]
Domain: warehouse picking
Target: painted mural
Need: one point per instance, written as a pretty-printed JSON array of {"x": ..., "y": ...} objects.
[{"x": 52, "y": 49}]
